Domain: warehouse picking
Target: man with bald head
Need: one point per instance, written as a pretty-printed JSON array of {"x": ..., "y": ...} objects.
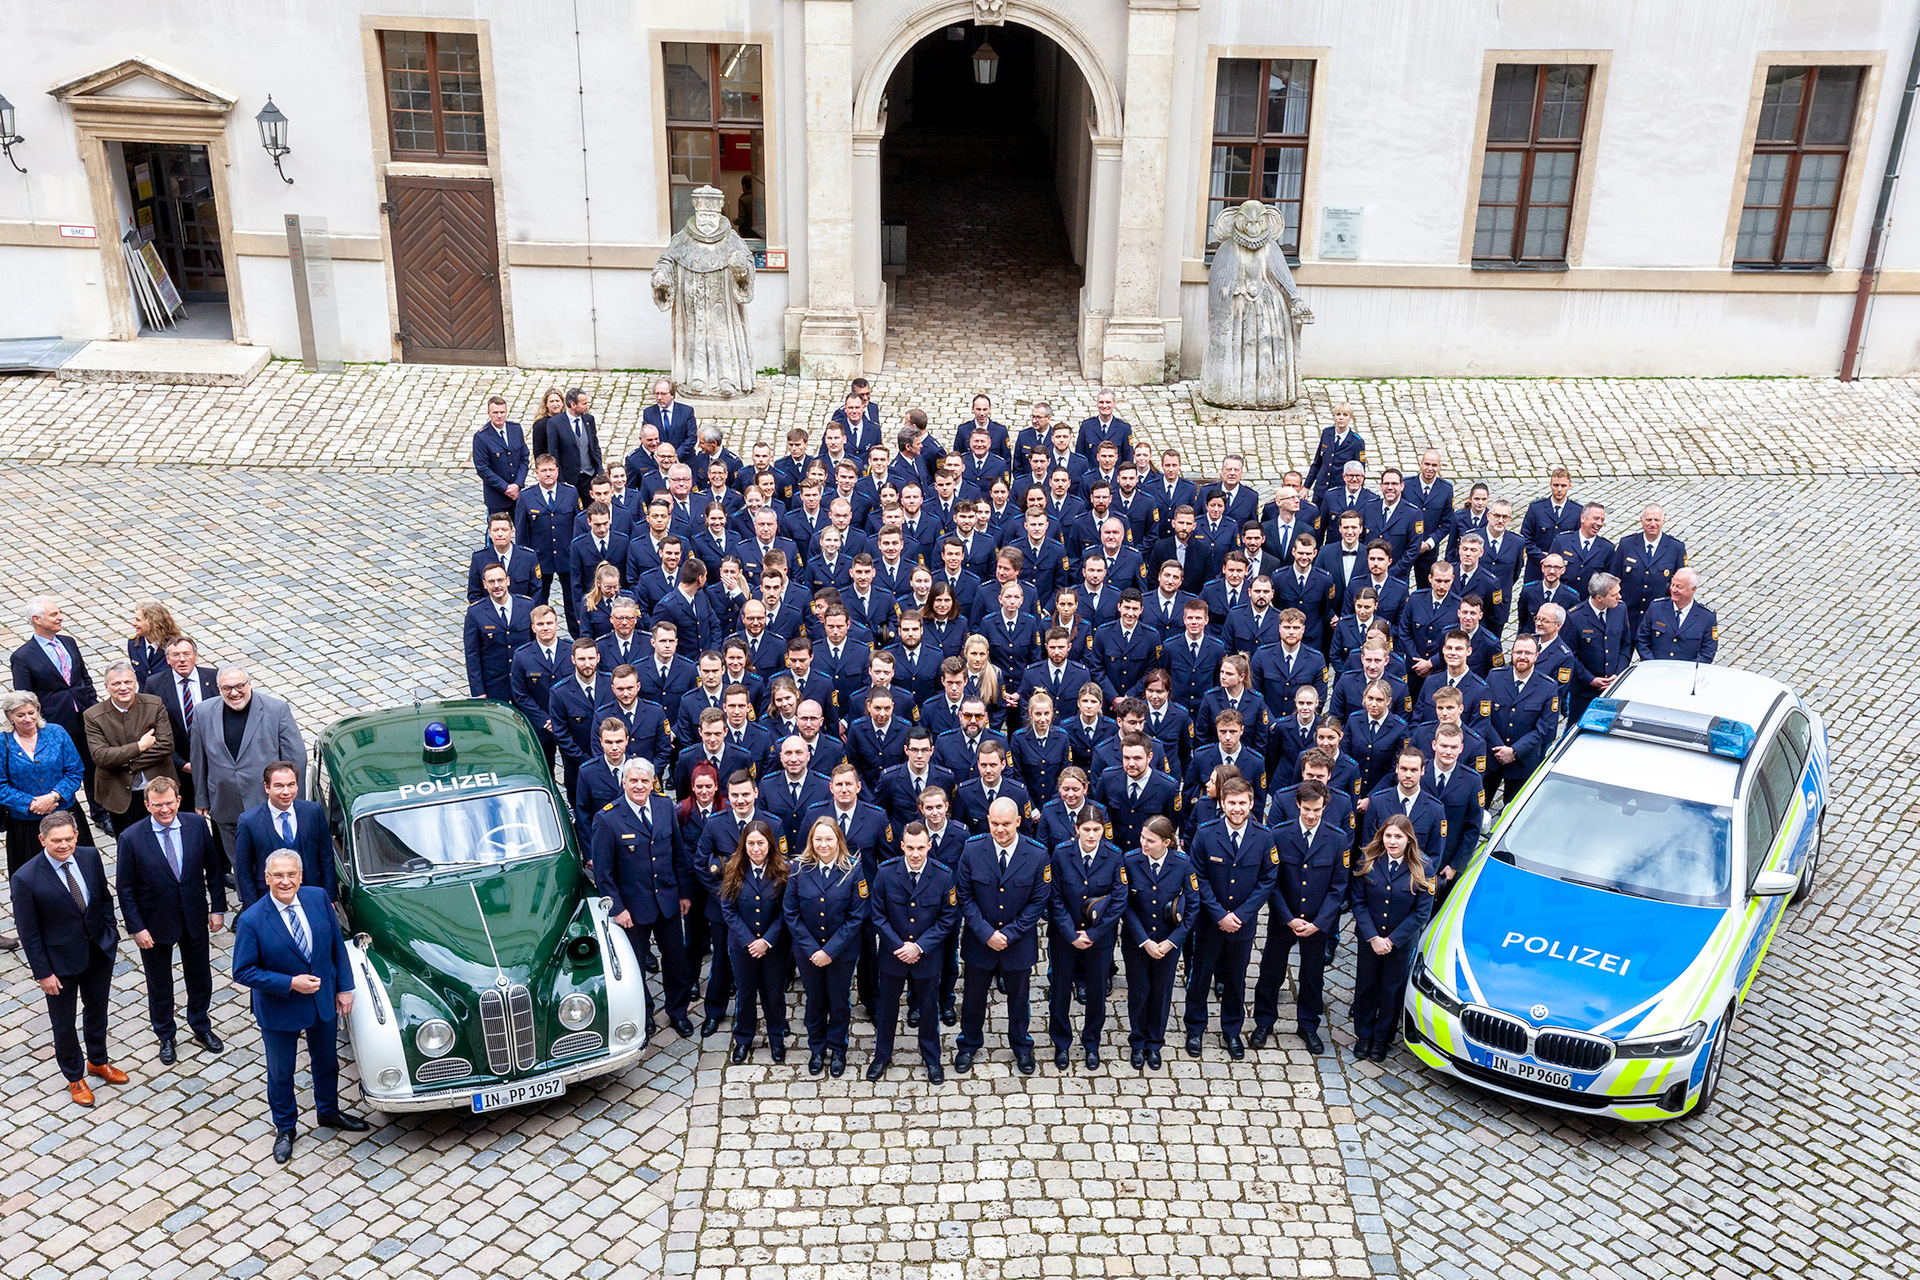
[
  {"x": 1677, "y": 627},
  {"x": 1004, "y": 882}
]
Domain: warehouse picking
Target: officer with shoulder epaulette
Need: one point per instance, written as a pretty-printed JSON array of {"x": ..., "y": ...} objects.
[
  {"x": 1392, "y": 900},
  {"x": 1005, "y": 882},
  {"x": 753, "y": 889},
  {"x": 1136, "y": 792},
  {"x": 1308, "y": 897},
  {"x": 1645, "y": 564},
  {"x": 826, "y": 911},
  {"x": 1452, "y": 781},
  {"x": 1089, "y": 900},
  {"x": 717, "y": 842},
  {"x": 1547, "y": 518},
  {"x": 1601, "y": 642},
  {"x": 915, "y": 907},
  {"x": 1676, "y": 628},
  {"x": 1402, "y": 794},
  {"x": 1523, "y": 722},
  {"x": 1163, "y": 896},
  {"x": 1237, "y": 864},
  {"x": 636, "y": 865}
]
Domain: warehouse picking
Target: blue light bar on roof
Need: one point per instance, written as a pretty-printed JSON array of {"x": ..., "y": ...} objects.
[
  {"x": 1671, "y": 727},
  {"x": 1600, "y": 714},
  {"x": 1730, "y": 738}
]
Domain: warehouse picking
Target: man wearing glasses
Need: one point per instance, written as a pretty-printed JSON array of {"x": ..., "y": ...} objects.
[{"x": 232, "y": 743}]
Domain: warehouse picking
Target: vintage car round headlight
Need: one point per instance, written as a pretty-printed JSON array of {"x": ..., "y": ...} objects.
[
  {"x": 391, "y": 1077},
  {"x": 576, "y": 1011},
  {"x": 626, "y": 1033},
  {"x": 434, "y": 1038}
]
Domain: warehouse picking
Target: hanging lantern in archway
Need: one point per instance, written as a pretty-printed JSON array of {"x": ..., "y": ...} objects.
[{"x": 986, "y": 64}]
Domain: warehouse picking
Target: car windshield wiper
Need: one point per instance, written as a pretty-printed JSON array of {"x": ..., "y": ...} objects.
[{"x": 1609, "y": 886}]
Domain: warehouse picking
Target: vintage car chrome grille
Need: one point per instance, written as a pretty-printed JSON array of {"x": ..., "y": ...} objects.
[
  {"x": 520, "y": 1013},
  {"x": 442, "y": 1069},
  {"x": 1568, "y": 1049},
  {"x": 578, "y": 1042},
  {"x": 1495, "y": 1030}
]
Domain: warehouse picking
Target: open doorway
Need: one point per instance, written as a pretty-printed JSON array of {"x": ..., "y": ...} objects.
[
  {"x": 170, "y": 198},
  {"x": 986, "y": 187}
]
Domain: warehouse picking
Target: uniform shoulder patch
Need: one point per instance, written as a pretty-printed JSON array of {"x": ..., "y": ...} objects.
[
  {"x": 606, "y": 806},
  {"x": 1566, "y": 673},
  {"x": 1443, "y": 826},
  {"x": 1193, "y": 882},
  {"x": 1273, "y": 856},
  {"x": 1346, "y": 858},
  {"x": 1046, "y": 874},
  {"x": 1486, "y": 707},
  {"x": 1123, "y": 875},
  {"x": 1716, "y": 632},
  {"x": 863, "y": 888},
  {"x": 953, "y": 897}
]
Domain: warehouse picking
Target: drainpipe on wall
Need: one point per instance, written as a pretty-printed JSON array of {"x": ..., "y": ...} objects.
[
  {"x": 1870, "y": 269},
  {"x": 586, "y": 195}
]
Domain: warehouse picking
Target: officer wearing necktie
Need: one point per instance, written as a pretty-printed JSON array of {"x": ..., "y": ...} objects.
[
  {"x": 1392, "y": 900},
  {"x": 752, "y": 897},
  {"x": 168, "y": 900},
  {"x": 1162, "y": 899},
  {"x": 827, "y": 909},
  {"x": 915, "y": 907},
  {"x": 1237, "y": 865},
  {"x": 635, "y": 864},
  {"x": 1005, "y": 882},
  {"x": 495, "y": 627},
  {"x": 1307, "y": 900},
  {"x": 1089, "y": 901}
]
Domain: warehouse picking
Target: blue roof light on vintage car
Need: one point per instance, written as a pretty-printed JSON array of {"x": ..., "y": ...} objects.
[{"x": 439, "y": 743}]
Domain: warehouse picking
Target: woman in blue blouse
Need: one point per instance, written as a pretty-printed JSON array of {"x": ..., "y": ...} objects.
[{"x": 40, "y": 771}]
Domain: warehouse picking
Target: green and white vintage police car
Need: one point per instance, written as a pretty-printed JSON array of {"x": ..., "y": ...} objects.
[{"x": 487, "y": 972}]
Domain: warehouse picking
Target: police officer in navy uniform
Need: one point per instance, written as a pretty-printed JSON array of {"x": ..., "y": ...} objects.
[
  {"x": 1163, "y": 896},
  {"x": 1584, "y": 550},
  {"x": 1339, "y": 445},
  {"x": 1005, "y": 882},
  {"x": 1136, "y": 792},
  {"x": 1523, "y": 722},
  {"x": 1547, "y": 519},
  {"x": 1308, "y": 896},
  {"x": 1403, "y": 794},
  {"x": 1392, "y": 900},
  {"x": 494, "y": 629},
  {"x": 1645, "y": 563},
  {"x": 543, "y": 523},
  {"x": 1601, "y": 643},
  {"x": 1676, "y": 627},
  {"x": 1089, "y": 899},
  {"x": 752, "y": 894},
  {"x": 1458, "y": 788},
  {"x": 500, "y": 457},
  {"x": 634, "y": 864},
  {"x": 715, "y": 844},
  {"x": 915, "y": 908},
  {"x": 535, "y": 667},
  {"x": 826, "y": 911},
  {"x": 1551, "y": 587},
  {"x": 1237, "y": 866}
]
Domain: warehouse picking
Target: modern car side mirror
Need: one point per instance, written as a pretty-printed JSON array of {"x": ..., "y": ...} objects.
[{"x": 1773, "y": 884}]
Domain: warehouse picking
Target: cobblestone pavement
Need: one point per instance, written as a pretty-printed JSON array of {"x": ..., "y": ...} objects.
[{"x": 323, "y": 537}]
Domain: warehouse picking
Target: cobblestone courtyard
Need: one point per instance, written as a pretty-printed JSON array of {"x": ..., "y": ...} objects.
[{"x": 320, "y": 527}]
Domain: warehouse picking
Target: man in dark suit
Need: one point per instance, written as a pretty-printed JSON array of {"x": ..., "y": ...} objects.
[
  {"x": 916, "y": 908},
  {"x": 1005, "y": 881},
  {"x": 181, "y": 687},
  {"x": 500, "y": 457},
  {"x": 50, "y": 666},
  {"x": 1601, "y": 642},
  {"x": 634, "y": 864},
  {"x": 672, "y": 419},
  {"x": 168, "y": 900},
  {"x": 283, "y": 823},
  {"x": 494, "y": 628},
  {"x": 65, "y": 914},
  {"x": 522, "y": 566},
  {"x": 543, "y": 523},
  {"x": 288, "y": 947},
  {"x": 574, "y": 441}
]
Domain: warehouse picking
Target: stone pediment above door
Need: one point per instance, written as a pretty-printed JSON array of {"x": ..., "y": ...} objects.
[{"x": 141, "y": 85}]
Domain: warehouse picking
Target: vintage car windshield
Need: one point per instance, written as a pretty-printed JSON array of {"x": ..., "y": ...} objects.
[
  {"x": 471, "y": 831},
  {"x": 1634, "y": 842}
]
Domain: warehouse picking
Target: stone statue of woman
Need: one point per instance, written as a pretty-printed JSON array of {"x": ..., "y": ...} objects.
[
  {"x": 705, "y": 278},
  {"x": 1254, "y": 314}
]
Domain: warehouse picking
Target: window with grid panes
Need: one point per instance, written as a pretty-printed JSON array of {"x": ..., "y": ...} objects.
[
  {"x": 433, "y": 96},
  {"x": 1260, "y": 111},
  {"x": 716, "y": 132},
  {"x": 1799, "y": 160},
  {"x": 1534, "y": 128}
]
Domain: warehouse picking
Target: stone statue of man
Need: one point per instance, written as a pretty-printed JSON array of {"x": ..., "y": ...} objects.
[
  {"x": 1254, "y": 314},
  {"x": 705, "y": 278}
]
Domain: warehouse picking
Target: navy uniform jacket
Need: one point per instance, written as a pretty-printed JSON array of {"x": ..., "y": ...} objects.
[
  {"x": 876, "y": 613},
  {"x": 1193, "y": 674},
  {"x": 530, "y": 681},
  {"x": 1083, "y": 742},
  {"x": 1010, "y": 646},
  {"x": 1533, "y": 595},
  {"x": 1243, "y": 504},
  {"x": 1312, "y": 880},
  {"x": 1198, "y": 565},
  {"x": 686, "y": 721},
  {"x": 1403, "y": 529},
  {"x": 635, "y": 861},
  {"x": 952, "y": 751},
  {"x": 871, "y": 837},
  {"x": 490, "y": 641},
  {"x": 1424, "y": 624},
  {"x": 1057, "y": 828},
  {"x": 1556, "y": 662},
  {"x": 1161, "y": 908},
  {"x": 1010, "y": 903},
  {"x": 1063, "y": 687},
  {"x": 1340, "y": 500},
  {"x": 847, "y": 673},
  {"x": 1436, "y": 507},
  {"x": 257, "y": 838},
  {"x": 266, "y": 959},
  {"x": 1046, "y": 569},
  {"x": 1120, "y": 661},
  {"x": 596, "y": 787},
  {"x": 1542, "y": 527},
  {"x": 1662, "y": 635},
  {"x": 1106, "y": 757},
  {"x": 570, "y": 711},
  {"x": 1290, "y": 739},
  {"x": 1096, "y": 609},
  {"x": 152, "y": 898},
  {"x": 970, "y": 803},
  {"x": 895, "y": 791},
  {"x": 665, "y": 693},
  {"x": 1237, "y": 880},
  {"x": 1385, "y": 904},
  {"x": 1349, "y": 689},
  {"x": 777, "y": 801},
  {"x": 1459, "y": 801},
  {"x": 1429, "y": 817},
  {"x": 1528, "y": 720},
  {"x": 756, "y": 913},
  {"x": 1601, "y": 647},
  {"x": 1473, "y": 748},
  {"x": 1251, "y": 764},
  {"x": 917, "y": 672},
  {"x": 1140, "y": 513},
  {"x": 1248, "y": 634},
  {"x": 1223, "y": 602},
  {"x": 1093, "y": 433},
  {"x": 500, "y": 461},
  {"x": 1391, "y": 595},
  {"x": 766, "y": 654},
  {"x": 825, "y": 910},
  {"x": 583, "y": 557},
  {"x": 1159, "y": 797},
  {"x": 1279, "y": 677},
  {"x": 1463, "y": 523},
  {"x": 1165, "y": 618},
  {"x": 1258, "y": 725},
  {"x": 1340, "y": 815},
  {"x": 521, "y": 565},
  {"x": 1486, "y": 654},
  {"x": 874, "y": 750},
  {"x": 1504, "y": 563},
  {"x": 699, "y": 626},
  {"x": 1582, "y": 565},
  {"x": 648, "y": 736},
  {"x": 718, "y": 841},
  {"x": 1093, "y": 899},
  {"x": 1374, "y": 749},
  {"x": 1172, "y": 728},
  {"x": 1316, "y": 598},
  {"x": 731, "y": 759},
  {"x": 996, "y": 438},
  {"x": 926, "y": 913},
  {"x": 546, "y": 528},
  {"x": 1473, "y": 694},
  {"x": 1038, "y": 763},
  {"x": 1331, "y": 458}
]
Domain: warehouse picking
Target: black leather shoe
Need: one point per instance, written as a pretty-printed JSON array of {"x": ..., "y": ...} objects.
[
  {"x": 936, "y": 1074},
  {"x": 1061, "y": 1060},
  {"x": 1362, "y": 1050},
  {"x": 1153, "y": 1059},
  {"x": 1093, "y": 1059},
  {"x": 345, "y": 1122},
  {"x": 948, "y": 1015},
  {"x": 1381, "y": 1050},
  {"x": 283, "y": 1146},
  {"x": 913, "y": 1016},
  {"x": 684, "y": 1025},
  {"x": 1193, "y": 1046},
  {"x": 875, "y": 1069},
  {"x": 1139, "y": 1058},
  {"x": 742, "y": 1052},
  {"x": 837, "y": 1064},
  {"x": 708, "y": 1027},
  {"x": 1236, "y": 1049},
  {"x": 1024, "y": 1061},
  {"x": 1258, "y": 1040},
  {"x": 210, "y": 1042},
  {"x": 777, "y": 1050},
  {"x": 167, "y": 1055},
  {"x": 1315, "y": 1045},
  {"x": 650, "y": 963},
  {"x": 963, "y": 1061},
  {"x": 816, "y": 1063}
]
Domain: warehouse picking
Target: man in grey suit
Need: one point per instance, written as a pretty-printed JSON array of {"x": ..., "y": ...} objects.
[{"x": 231, "y": 749}]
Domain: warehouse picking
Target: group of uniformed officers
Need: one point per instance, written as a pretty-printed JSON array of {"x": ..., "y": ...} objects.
[{"x": 881, "y": 716}]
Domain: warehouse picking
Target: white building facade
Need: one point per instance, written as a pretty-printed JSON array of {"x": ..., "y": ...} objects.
[{"x": 1614, "y": 187}]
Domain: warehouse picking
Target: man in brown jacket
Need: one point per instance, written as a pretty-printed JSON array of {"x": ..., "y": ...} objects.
[{"x": 131, "y": 742}]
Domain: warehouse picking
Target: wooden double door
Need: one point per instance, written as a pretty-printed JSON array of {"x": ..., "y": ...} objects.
[{"x": 446, "y": 268}]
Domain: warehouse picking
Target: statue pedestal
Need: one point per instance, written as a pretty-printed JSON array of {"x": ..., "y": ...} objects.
[{"x": 729, "y": 408}]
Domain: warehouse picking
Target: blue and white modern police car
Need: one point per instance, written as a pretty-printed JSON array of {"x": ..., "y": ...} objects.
[{"x": 1596, "y": 950}]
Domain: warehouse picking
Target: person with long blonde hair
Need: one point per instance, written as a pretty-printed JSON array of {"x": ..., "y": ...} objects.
[
  {"x": 1392, "y": 900},
  {"x": 154, "y": 629},
  {"x": 826, "y": 909}
]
